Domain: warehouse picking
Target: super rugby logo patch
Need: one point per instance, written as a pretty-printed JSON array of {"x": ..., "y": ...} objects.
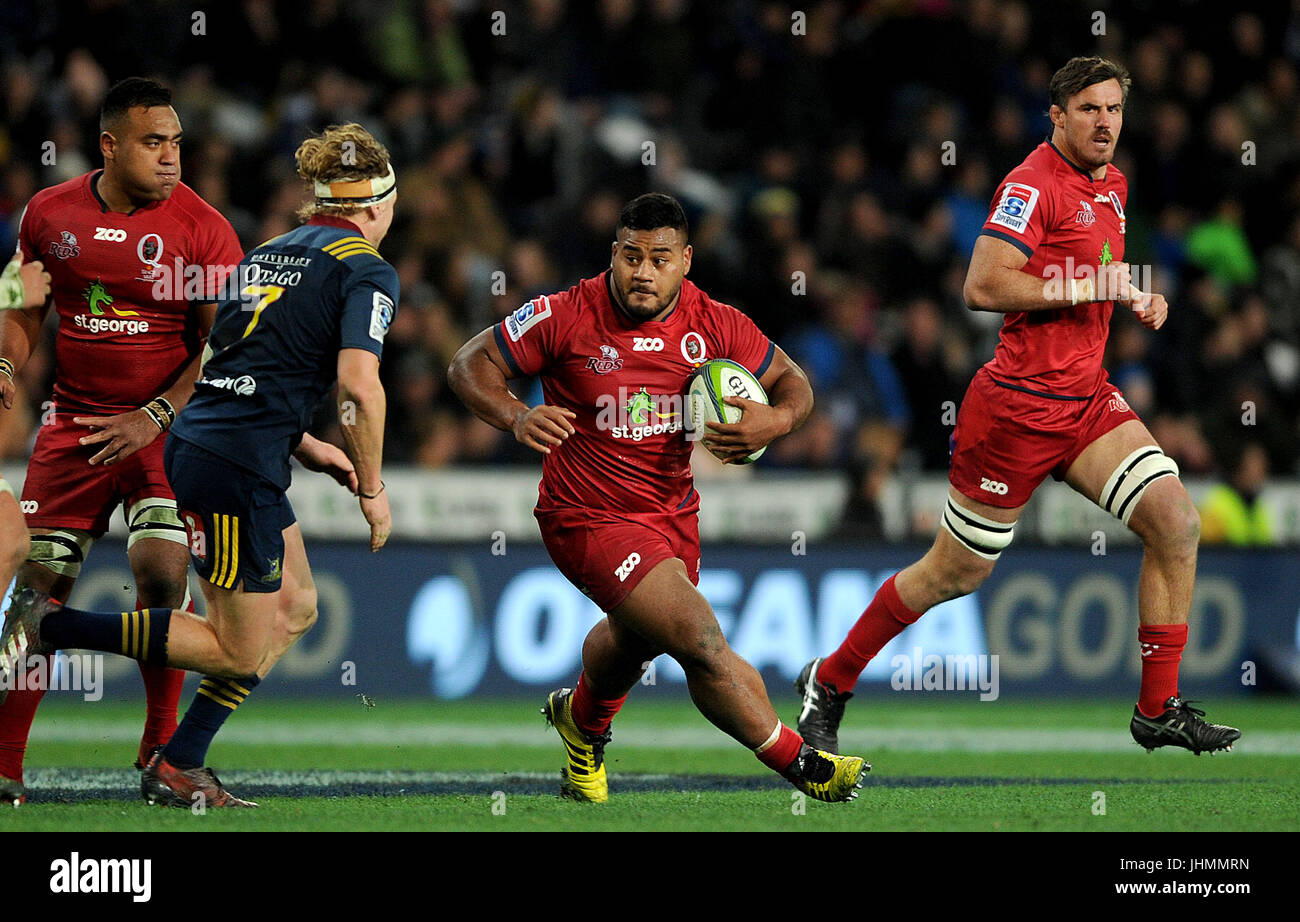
[
  {"x": 381, "y": 316},
  {"x": 1014, "y": 208},
  {"x": 527, "y": 317}
]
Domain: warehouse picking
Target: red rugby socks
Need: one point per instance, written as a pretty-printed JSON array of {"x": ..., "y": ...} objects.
[
  {"x": 1162, "y": 649},
  {"x": 16, "y": 716},
  {"x": 591, "y": 714},
  {"x": 162, "y": 688},
  {"x": 781, "y": 749},
  {"x": 884, "y": 619}
]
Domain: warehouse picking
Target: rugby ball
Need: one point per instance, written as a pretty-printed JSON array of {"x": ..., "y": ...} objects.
[{"x": 705, "y": 390}]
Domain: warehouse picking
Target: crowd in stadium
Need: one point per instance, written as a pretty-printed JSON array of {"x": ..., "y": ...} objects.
[{"x": 839, "y": 216}]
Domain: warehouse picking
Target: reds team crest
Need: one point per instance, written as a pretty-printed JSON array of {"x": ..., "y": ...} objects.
[
  {"x": 608, "y": 361},
  {"x": 65, "y": 247}
]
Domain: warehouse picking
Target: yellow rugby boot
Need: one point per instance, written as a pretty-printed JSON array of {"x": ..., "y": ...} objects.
[
  {"x": 826, "y": 776},
  {"x": 583, "y": 776}
]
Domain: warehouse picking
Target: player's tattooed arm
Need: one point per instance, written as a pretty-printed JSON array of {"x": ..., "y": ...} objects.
[
  {"x": 126, "y": 433},
  {"x": 791, "y": 399},
  {"x": 362, "y": 407},
  {"x": 478, "y": 375}
]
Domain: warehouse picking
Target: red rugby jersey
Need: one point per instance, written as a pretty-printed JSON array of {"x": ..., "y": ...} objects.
[
  {"x": 124, "y": 286},
  {"x": 625, "y": 381},
  {"x": 1068, "y": 224}
]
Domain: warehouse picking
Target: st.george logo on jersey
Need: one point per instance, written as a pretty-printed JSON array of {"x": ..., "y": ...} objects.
[{"x": 1015, "y": 207}]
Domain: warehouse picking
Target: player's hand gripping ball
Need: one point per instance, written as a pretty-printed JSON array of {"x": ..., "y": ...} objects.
[{"x": 707, "y": 388}]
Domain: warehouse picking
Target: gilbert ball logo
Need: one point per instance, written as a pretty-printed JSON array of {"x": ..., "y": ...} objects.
[{"x": 103, "y": 875}]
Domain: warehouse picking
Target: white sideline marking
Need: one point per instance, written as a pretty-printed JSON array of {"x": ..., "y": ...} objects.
[{"x": 538, "y": 736}]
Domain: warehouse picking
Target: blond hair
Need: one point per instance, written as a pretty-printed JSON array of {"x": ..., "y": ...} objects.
[{"x": 342, "y": 152}]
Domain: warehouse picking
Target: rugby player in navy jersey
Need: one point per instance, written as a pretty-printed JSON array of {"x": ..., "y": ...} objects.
[{"x": 305, "y": 309}]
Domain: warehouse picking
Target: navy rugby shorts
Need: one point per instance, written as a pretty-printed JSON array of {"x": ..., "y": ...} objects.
[{"x": 233, "y": 518}]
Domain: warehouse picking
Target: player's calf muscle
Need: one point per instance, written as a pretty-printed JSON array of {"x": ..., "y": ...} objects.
[
  {"x": 1166, "y": 520},
  {"x": 239, "y": 656},
  {"x": 942, "y": 574}
]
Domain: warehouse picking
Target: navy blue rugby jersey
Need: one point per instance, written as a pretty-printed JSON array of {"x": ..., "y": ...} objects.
[{"x": 294, "y": 303}]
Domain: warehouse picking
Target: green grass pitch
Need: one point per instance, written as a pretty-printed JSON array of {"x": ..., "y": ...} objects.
[{"x": 940, "y": 763}]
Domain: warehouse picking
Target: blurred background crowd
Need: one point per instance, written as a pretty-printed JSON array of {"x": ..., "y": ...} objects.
[{"x": 836, "y": 160}]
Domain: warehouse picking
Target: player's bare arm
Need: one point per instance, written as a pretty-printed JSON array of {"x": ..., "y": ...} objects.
[
  {"x": 362, "y": 406},
  {"x": 124, "y": 434},
  {"x": 791, "y": 401},
  {"x": 20, "y": 331},
  {"x": 478, "y": 375},
  {"x": 324, "y": 458},
  {"x": 995, "y": 282}
]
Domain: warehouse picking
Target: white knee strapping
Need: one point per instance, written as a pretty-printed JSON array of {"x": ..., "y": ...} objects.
[
  {"x": 982, "y": 537},
  {"x": 154, "y": 517},
  {"x": 62, "y": 550},
  {"x": 1131, "y": 478}
]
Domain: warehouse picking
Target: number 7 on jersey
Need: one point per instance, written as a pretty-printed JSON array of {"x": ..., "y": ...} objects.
[{"x": 266, "y": 296}]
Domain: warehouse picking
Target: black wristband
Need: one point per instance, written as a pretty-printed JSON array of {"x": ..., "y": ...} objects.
[
  {"x": 372, "y": 495},
  {"x": 161, "y": 412},
  {"x": 153, "y": 415},
  {"x": 7, "y": 367}
]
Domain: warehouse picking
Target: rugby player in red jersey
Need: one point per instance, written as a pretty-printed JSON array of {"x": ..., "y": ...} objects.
[
  {"x": 616, "y": 505},
  {"x": 127, "y": 353},
  {"x": 1051, "y": 259}
]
